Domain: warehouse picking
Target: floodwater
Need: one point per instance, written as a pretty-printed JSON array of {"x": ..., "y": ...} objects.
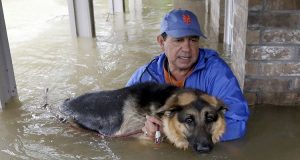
[{"x": 45, "y": 55}]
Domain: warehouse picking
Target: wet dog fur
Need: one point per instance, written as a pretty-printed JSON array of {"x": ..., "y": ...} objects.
[{"x": 190, "y": 117}]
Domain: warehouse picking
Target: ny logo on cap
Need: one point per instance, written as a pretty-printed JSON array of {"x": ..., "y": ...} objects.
[{"x": 186, "y": 19}]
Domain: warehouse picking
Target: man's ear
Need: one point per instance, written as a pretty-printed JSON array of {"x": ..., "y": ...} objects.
[{"x": 160, "y": 41}]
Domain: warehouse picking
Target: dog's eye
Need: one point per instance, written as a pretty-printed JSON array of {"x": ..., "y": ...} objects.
[
  {"x": 210, "y": 118},
  {"x": 189, "y": 120}
]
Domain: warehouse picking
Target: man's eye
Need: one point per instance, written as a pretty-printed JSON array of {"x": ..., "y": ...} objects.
[
  {"x": 194, "y": 39},
  {"x": 179, "y": 39}
]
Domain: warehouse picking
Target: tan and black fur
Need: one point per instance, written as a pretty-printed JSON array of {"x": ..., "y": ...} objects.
[{"x": 190, "y": 117}]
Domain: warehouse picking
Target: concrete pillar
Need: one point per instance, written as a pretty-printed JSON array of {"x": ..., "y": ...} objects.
[
  {"x": 214, "y": 25},
  {"x": 81, "y": 13},
  {"x": 135, "y": 6},
  {"x": 8, "y": 87},
  {"x": 238, "y": 44},
  {"x": 228, "y": 23},
  {"x": 116, "y": 6},
  {"x": 136, "y": 10}
]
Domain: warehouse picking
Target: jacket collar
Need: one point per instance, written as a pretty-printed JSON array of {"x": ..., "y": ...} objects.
[{"x": 156, "y": 65}]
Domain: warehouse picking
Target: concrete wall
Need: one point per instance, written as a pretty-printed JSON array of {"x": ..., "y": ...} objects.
[
  {"x": 273, "y": 52},
  {"x": 240, "y": 13}
]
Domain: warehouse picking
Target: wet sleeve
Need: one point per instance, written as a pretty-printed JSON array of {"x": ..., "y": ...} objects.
[
  {"x": 224, "y": 85},
  {"x": 136, "y": 76}
]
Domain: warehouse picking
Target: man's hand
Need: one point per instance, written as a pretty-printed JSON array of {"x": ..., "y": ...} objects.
[{"x": 152, "y": 124}]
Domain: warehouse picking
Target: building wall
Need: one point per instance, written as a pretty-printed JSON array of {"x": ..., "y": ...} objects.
[
  {"x": 240, "y": 15},
  {"x": 273, "y": 52}
]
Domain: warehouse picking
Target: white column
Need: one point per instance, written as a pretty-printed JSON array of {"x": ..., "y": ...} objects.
[
  {"x": 228, "y": 26},
  {"x": 136, "y": 15},
  {"x": 8, "y": 87},
  {"x": 116, "y": 6},
  {"x": 81, "y": 13},
  {"x": 135, "y": 6}
]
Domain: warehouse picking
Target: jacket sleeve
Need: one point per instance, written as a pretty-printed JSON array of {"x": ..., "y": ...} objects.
[
  {"x": 224, "y": 85},
  {"x": 143, "y": 74},
  {"x": 136, "y": 76},
  {"x": 140, "y": 75}
]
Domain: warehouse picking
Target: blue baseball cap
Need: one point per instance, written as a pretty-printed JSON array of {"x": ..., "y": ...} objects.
[{"x": 180, "y": 23}]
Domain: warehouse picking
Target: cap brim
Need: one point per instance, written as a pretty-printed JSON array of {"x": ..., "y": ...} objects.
[{"x": 184, "y": 33}]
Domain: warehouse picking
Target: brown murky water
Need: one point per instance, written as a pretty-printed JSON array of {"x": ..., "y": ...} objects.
[{"x": 46, "y": 56}]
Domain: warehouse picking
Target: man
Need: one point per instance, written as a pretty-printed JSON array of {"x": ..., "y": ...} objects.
[{"x": 184, "y": 64}]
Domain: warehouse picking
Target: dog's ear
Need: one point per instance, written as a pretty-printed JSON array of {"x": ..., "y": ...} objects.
[
  {"x": 169, "y": 112},
  {"x": 169, "y": 107},
  {"x": 218, "y": 104},
  {"x": 210, "y": 100},
  {"x": 176, "y": 102}
]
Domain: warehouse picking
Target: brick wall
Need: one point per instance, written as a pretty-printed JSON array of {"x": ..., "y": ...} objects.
[{"x": 273, "y": 52}]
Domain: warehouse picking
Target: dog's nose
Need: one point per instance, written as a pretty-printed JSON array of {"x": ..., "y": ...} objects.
[{"x": 203, "y": 147}]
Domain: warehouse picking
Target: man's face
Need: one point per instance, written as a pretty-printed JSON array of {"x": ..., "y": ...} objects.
[{"x": 182, "y": 53}]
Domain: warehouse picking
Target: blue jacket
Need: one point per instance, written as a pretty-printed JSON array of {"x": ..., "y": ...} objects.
[{"x": 213, "y": 76}]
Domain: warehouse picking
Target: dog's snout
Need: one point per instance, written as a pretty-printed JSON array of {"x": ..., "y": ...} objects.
[{"x": 203, "y": 147}]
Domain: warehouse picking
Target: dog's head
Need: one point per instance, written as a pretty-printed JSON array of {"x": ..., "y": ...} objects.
[{"x": 192, "y": 118}]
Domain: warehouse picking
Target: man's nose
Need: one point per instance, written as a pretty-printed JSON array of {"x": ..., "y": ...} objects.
[{"x": 186, "y": 45}]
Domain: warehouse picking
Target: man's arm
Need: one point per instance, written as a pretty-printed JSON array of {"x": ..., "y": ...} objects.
[
  {"x": 136, "y": 76},
  {"x": 224, "y": 85}
]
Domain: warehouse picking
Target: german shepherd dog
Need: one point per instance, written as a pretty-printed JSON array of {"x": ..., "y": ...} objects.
[{"x": 189, "y": 116}]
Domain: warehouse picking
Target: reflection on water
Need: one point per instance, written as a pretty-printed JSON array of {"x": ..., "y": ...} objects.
[{"x": 46, "y": 56}]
